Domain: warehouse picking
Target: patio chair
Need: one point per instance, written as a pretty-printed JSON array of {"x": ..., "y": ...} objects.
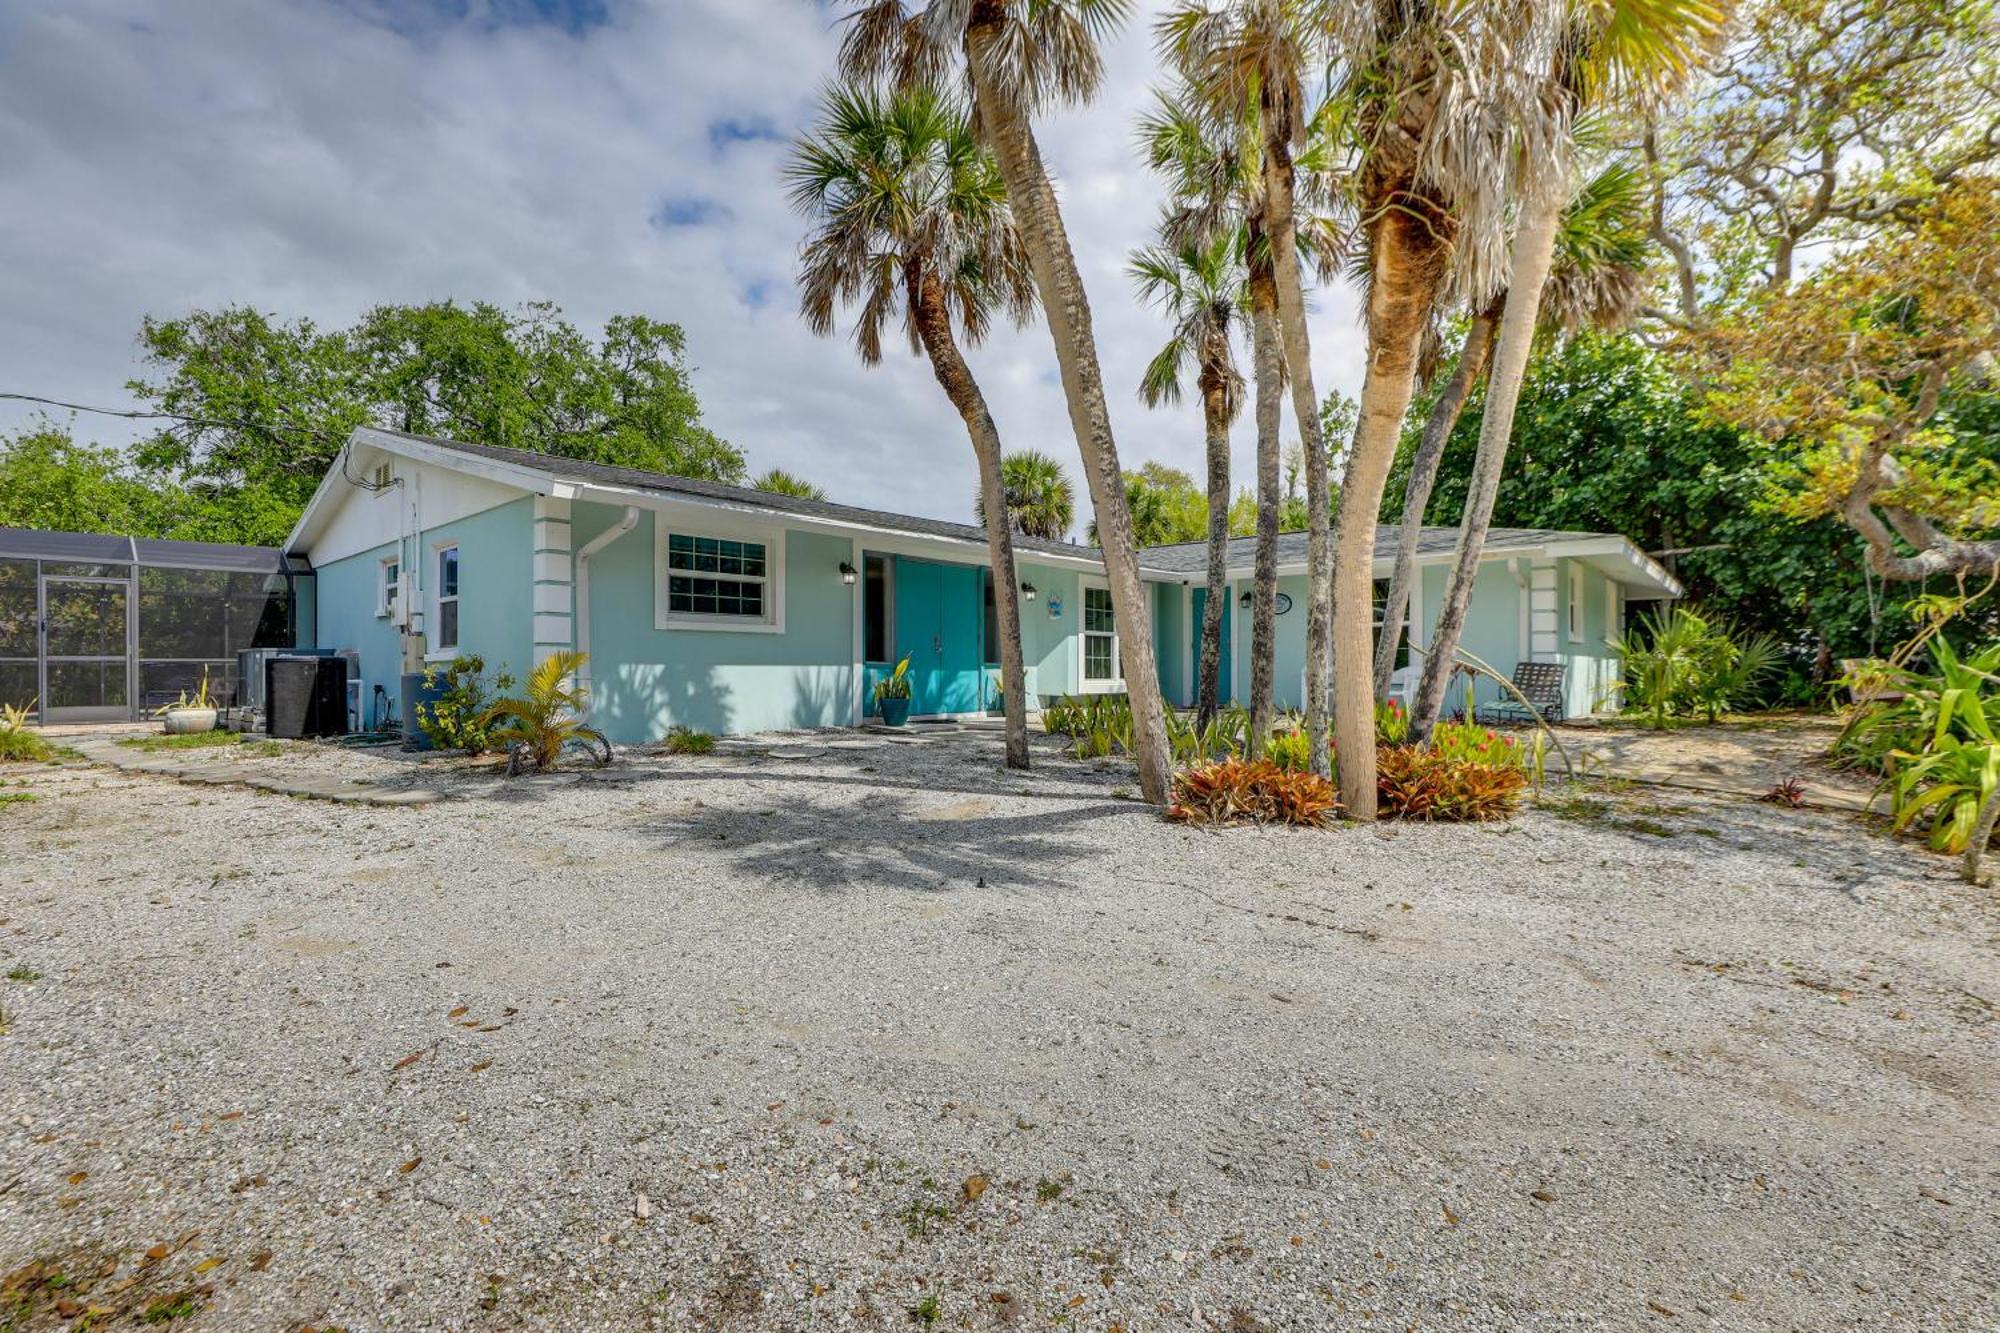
[{"x": 1541, "y": 683}]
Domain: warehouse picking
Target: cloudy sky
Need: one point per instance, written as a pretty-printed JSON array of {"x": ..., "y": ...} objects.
[{"x": 317, "y": 157}]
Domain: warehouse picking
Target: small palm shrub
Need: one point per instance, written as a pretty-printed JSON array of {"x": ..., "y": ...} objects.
[
  {"x": 1228, "y": 791},
  {"x": 19, "y": 745},
  {"x": 547, "y": 719},
  {"x": 457, "y": 718},
  {"x": 686, "y": 740},
  {"x": 1679, "y": 663},
  {"x": 1432, "y": 784}
]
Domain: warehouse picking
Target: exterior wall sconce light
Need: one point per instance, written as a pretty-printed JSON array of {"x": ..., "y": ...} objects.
[
  {"x": 1027, "y": 592},
  {"x": 847, "y": 574}
]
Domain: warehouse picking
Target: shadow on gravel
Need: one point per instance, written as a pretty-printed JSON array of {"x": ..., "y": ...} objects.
[{"x": 889, "y": 842}]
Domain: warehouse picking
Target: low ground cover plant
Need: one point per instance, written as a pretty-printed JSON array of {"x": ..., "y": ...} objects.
[
  {"x": 686, "y": 740},
  {"x": 1228, "y": 791},
  {"x": 18, "y": 743},
  {"x": 190, "y": 740}
]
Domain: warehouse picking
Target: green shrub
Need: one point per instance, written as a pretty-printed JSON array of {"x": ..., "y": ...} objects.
[
  {"x": 686, "y": 740},
  {"x": 1938, "y": 747},
  {"x": 1679, "y": 663},
  {"x": 1231, "y": 791},
  {"x": 1475, "y": 744},
  {"x": 546, "y": 719},
  {"x": 458, "y": 718},
  {"x": 19, "y": 745},
  {"x": 1288, "y": 749}
]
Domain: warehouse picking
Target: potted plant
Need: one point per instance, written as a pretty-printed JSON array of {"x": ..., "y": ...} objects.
[
  {"x": 191, "y": 712},
  {"x": 996, "y": 698},
  {"x": 892, "y": 695}
]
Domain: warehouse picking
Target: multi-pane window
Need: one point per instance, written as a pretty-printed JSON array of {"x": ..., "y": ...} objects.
[
  {"x": 1100, "y": 637},
  {"x": 392, "y": 579},
  {"x": 716, "y": 576},
  {"x": 1381, "y": 605},
  {"x": 446, "y": 638}
]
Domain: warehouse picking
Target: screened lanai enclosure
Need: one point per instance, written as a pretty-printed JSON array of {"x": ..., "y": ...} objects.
[{"x": 98, "y": 628}]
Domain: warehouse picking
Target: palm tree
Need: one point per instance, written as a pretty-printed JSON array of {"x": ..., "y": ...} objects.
[
  {"x": 911, "y": 218},
  {"x": 777, "y": 481},
  {"x": 1262, "y": 53},
  {"x": 1039, "y": 499},
  {"x": 1021, "y": 57},
  {"x": 1598, "y": 280},
  {"x": 1209, "y": 158},
  {"x": 1200, "y": 287},
  {"x": 1414, "y": 89},
  {"x": 1637, "y": 50}
]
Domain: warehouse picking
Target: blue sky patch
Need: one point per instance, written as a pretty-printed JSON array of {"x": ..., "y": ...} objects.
[
  {"x": 415, "y": 18},
  {"x": 687, "y": 211},
  {"x": 722, "y": 134}
]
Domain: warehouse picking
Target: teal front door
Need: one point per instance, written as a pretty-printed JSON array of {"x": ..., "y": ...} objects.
[
  {"x": 1194, "y": 633},
  {"x": 938, "y": 615}
]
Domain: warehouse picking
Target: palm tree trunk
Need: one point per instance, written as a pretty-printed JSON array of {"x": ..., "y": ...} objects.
[
  {"x": 932, "y": 319},
  {"x": 1305, "y": 408},
  {"x": 1005, "y": 127},
  {"x": 1423, "y": 477},
  {"x": 1405, "y": 262},
  {"x": 1527, "y": 270},
  {"x": 1267, "y": 367},
  {"x": 1215, "y": 418}
]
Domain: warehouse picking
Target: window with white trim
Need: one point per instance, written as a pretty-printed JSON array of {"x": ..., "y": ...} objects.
[
  {"x": 445, "y": 639},
  {"x": 1575, "y": 602},
  {"x": 720, "y": 582},
  {"x": 389, "y": 585},
  {"x": 1100, "y": 640}
]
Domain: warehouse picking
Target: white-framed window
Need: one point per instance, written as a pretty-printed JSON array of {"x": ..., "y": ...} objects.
[
  {"x": 1612, "y": 629},
  {"x": 388, "y": 586},
  {"x": 1575, "y": 602},
  {"x": 444, "y": 629},
  {"x": 1098, "y": 642},
  {"x": 718, "y": 580}
]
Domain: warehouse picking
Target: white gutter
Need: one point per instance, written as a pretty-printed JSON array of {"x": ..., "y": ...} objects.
[{"x": 626, "y": 522}]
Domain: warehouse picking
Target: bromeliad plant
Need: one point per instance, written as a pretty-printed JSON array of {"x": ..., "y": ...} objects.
[
  {"x": 546, "y": 720},
  {"x": 1229, "y": 791}
]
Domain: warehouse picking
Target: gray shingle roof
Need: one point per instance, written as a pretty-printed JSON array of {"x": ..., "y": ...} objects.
[
  {"x": 1188, "y": 558},
  {"x": 1192, "y": 557},
  {"x": 104, "y": 548},
  {"x": 604, "y": 474}
]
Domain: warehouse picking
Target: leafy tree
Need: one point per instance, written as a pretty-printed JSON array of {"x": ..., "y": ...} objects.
[
  {"x": 265, "y": 405},
  {"x": 49, "y": 481},
  {"x": 777, "y": 481},
  {"x": 1609, "y": 435},
  {"x": 1168, "y": 508},
  {"x": 1847, "y": 372}
]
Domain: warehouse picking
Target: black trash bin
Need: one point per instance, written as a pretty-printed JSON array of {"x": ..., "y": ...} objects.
[{"x": 305, "y": 697}]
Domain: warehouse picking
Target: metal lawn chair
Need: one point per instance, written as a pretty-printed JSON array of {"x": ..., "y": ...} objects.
[{"x": 1541, "y": 683}]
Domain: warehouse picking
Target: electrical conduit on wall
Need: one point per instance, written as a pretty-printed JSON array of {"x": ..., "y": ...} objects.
[{"x": 626, "y": 522}]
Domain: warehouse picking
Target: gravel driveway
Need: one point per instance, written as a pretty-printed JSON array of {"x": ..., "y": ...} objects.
[{"x": 836, "y": 1031}]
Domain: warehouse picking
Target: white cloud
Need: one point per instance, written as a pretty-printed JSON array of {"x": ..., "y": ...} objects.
[{"x": 314, "y": 158}]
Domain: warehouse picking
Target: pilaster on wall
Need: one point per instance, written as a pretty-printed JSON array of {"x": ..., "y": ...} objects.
[
  {"x": 554, "y": 590},
  {"x": 1542, "y": 613}
]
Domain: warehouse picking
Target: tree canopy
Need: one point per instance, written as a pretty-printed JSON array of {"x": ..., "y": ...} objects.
[{"x": 261, "y": 405}]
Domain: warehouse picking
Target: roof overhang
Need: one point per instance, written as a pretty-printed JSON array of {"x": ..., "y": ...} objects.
[{"x": 1614, "y": 556}]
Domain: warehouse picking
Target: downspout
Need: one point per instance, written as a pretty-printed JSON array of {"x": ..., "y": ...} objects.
[{"x": 626, "y": 522}]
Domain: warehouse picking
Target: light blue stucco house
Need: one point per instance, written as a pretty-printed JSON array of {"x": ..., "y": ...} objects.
[{"x": 731, "y": 610}]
